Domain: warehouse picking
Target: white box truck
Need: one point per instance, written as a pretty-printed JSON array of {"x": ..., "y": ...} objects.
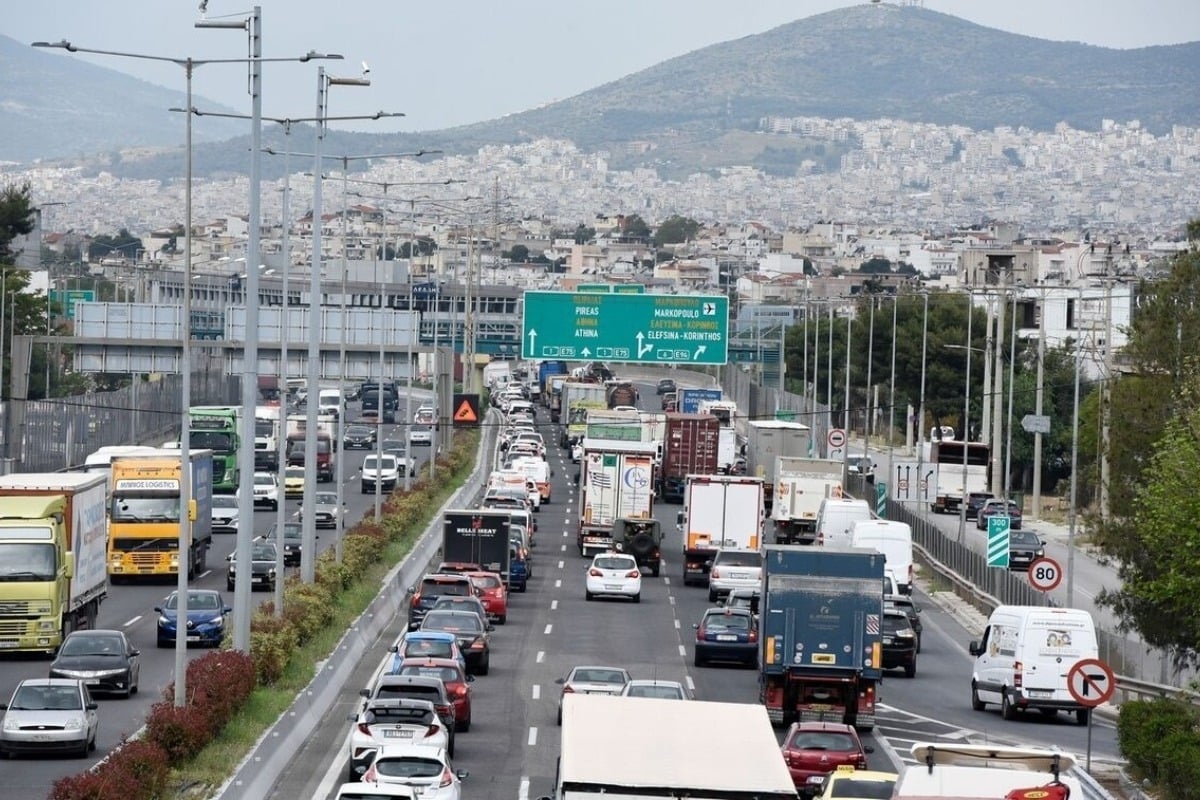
[
  {"x": 800, "y": 486},
  {"x": 719, "y": 511},
  {"x": 616, "y": 481}
]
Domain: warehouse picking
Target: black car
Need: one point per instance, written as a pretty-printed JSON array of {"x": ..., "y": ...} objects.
[
  {"x": 293, "y": 541},
  {"x": 104, "y": 661},
  {"x": 262, "y": 567},
  {"x": 899, "y": 642},
  {"x": 976, "y": 501},
  {"x": 665, "y": 386},
  {"x": 905, "y": 603},
  {"x": 359, "y": 436},
  {"x": 472, "y": 632},
  {"x": 1024, "y": 547}
]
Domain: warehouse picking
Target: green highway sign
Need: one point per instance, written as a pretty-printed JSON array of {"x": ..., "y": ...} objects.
[
  {"x": 70, "y": 297},
  {"x": 593, "y": 288},
  {"x": 628, "y": 288},
  {"x": 630, "y": 328}
]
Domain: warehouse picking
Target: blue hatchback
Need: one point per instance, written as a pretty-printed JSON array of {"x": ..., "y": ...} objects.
[
  {"x": 206, "y": 613},
  {"x": 425, "y": 644}
]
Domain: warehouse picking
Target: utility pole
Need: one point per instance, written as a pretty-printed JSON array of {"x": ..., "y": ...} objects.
[
  {"x": 1106, "y": 387},
  {"x": 998, "y": 391},
  {"x": 1037, "y": 410}
]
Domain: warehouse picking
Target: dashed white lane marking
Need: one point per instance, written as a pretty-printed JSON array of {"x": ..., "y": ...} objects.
[
  {"x": 132, "y": 621},
  {"x": 671, "y": 599},
  {"x": 554, "y": 605},
  {"x": 564, "y": 548},
  {"x": 523, "y": 791},
  {"x": 537, "y": 691},
  {"x": 558, "y": 584},
  {"x": 690, "y": 683},
  {"x": 682, "y": 651},
  {"x": 532, "y": 737},
  {"x": 541, "y": 656},
  {"x": 666, "y": 580},
  {"x": 548, "y": 629},
  {"x": 560, "y": 564},
  {"x": 676, "y": 624}
]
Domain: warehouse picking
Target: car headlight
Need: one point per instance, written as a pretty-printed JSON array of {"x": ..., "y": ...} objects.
[
  {"x": 165, "y": 621},
  {"x": 219, "y": 619},
  {"x": 73, "y": 724},
  {"x": 11, "y": 724},
  {"x": 905, "y": 633},
  {"x": 271, "y": 572}
]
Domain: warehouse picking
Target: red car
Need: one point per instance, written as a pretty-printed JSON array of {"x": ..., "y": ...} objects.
[
  {"x": 490, "y": 589},
  {"x": 457, "y": 681},
  {"x": 812, "y": 750}
]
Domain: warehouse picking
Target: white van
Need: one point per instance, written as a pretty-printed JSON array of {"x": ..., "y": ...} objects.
[
  {"x": 894, "y": 540},
  {"x": 1024, "y": 656},
  {"x": 329, "y": 401},
  {"x": 836, "y": 517}
]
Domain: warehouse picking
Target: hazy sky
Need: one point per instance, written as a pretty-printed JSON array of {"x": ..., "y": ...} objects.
[{"x": 448, "y": 63}]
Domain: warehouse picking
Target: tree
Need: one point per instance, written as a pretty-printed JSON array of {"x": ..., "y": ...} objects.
[
  {"x": 1160, "y": 581},
  {"x": 16, "y": 218},
  {"x": 635, "y": 228},
  {"x": 519, "y": 254},
  {"x": 876, "y": 266},
  {"x": 676, "y": 230},
  {"x": 123, "y": 245},
  {"x": 583, "y": 234}
]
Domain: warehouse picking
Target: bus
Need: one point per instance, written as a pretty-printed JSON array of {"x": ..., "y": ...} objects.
[
  {"x": 960, "y": 465},
  {"x": 217, "y": 428}
]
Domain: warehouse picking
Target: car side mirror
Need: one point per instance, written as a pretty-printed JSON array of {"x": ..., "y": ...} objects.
[
  {"x": 135, "y": 652},
  {"x": 491, "y": 627},
  {"x": 394, "y": 649},
  {"x": 696, "y": 625},
  {"x": 470, "y": 679},
  {"x": 92, "y": 706},
  {"x": 974, "y": 649},
  {"x": 561, "y": 681},
  {"x": 1042, "y": 542},
  {"x": 227, "y": 610},
  {"x": 412, "y": 590},
  {"x": 868, "y": 749},
  {"x": 462, "y": 774},
  {"x": 158, "y": 609}
]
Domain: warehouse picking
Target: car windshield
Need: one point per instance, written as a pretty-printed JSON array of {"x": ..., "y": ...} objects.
[
  {"x": 263, "y": 552},
  {"x": 224, "y": 501},
  {"x": 1027, "y": 538},
  {"x": 732, "y": 558},
  {"x": 326, "y": 499},
  {"x": 861, "y": 789},
  {"x": 436, "y": 588},
  {"x": 291, "y": 530},
  {"x": 428, "y": 648},
  {"x": 92, "y": 644},
  {"x": 486, "y": 581},
  {"x": 408, "y": 767},
  {"x": 822, "y": 740},
  {"x": 261, "y": 479},
  {"x": 420, "y": 691},
  {"x": 446, "y": 674},
  {"x": 358, "y": 430},
  {"x": 196, "y": 601},
  {"x": 47, "y": 698},
  {"x": 663, "y": 692},
  {"x": 452, "y": 621},
  {"x": 294, "y": 472},
  {"x": 728, "y": 622},
  {"x": 372, "y": 462},
  {"x": 596, "y": 675},
  {"x": 614, "y": 562}
]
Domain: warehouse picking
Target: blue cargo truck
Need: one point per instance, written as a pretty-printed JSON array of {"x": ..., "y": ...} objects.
[
  {"x": 820, "y": 634},
  {"x": 690, "y": 399}
]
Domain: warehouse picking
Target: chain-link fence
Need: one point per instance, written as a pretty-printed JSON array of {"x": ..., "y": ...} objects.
[{"x": 61, "y": 432}]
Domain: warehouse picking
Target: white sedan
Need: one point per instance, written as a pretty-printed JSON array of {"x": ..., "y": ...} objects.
[{"x": 614, "y": 574}]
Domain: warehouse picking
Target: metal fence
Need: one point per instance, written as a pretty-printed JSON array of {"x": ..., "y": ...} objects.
[{"x": 61, "y": 432}]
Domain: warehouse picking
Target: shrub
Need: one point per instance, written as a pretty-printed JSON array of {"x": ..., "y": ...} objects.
[
  {"x": 308, "y": 607},
  {"x": 179, "y": 731},
  {"x": 219, "y": 683},
  {"x": 272, "y": 642},
  {"x": 1143, "y": 729},
  {"x": 144, "y": 763}
]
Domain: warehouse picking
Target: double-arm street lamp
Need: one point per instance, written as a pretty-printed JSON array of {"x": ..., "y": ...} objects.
[{"x": 253, "y": 23}]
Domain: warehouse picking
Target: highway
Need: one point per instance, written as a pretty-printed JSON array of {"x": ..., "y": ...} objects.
[
  {"x": 512, "y": 747},
  {"x": 130, "y": 608}
]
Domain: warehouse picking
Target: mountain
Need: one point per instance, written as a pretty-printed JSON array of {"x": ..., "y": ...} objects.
[
  {"x": 702, "y": 110},
  {"x": 54, "y": 107}
]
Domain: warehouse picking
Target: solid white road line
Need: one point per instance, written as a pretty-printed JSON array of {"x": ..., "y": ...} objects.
[{"x": 132, "y": 621}]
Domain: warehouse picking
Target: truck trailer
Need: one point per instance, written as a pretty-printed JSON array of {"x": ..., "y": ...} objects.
[
  {"x": 671, "y": 758},
  {"x": 616, "y": 481},
  {"x": 52, "y": 534},
  {"x": 766, "y": 441},
  {"x": 477, "y": 536},
  {"x": 689, "y": 448},
  {"x": 718, "y": 511},
  {"x": 800, "y": 486},
  {"x": 820, "y": 634}
]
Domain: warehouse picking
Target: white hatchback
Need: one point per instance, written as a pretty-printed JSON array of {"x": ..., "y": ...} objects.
[
  {"x": 614, "y": 574},
  {"x": 427, "y": 770}
]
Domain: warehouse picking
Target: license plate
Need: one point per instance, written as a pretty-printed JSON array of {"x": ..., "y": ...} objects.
[
  {"x": 7, "y": 645},
  {"x": 612, "y": 586},
  {"x": 726, "y": 637},
  {"x": 92, "y": 683},
  {"x": 887, "y": 640},
  {"x": 1039, "y": 693},
  {"x": 397, "y": 734},
  {"x": 193, "y": 638}
]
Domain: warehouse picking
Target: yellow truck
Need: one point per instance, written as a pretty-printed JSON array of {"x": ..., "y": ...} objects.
[
  {"x": 144, "y": 521},
  {"x": 52, "y": 577}
]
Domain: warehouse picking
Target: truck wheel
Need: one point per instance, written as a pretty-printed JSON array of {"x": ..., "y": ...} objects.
[
  {"x": 1007, "y": 709},
  {"x": 654, "y": 568},
  {"x": 976, "y": 703},
  {"x": 910, "y": 670}
]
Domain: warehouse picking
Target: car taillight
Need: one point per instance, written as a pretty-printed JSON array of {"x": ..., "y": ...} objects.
[
  {"x": 371, "y": 775},
  {"x": 364, "y": 729},
  {"x": 700, "y": 634},
  {"x": 595, "y": 573},
  {"x": 753, "y": 635},
  {"x": 1018, "y": 674},
  {"x": 862, "y": 762},
  {"x": 568, "y": 690},
  {"x": 461, "y": 691},
  {"x": 445, "y": 711},
  {"x": 447, "y": 778},
  {"x": 433, "y": 730},
  {"x": 633, "y": 574},
  {"x": 714, "y": 573},
  {"x": 416, "y": 601}
]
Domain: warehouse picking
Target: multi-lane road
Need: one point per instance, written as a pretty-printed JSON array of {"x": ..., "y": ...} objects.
[
  {"x": 130, "y": 608},
  {"x": 513, "y": 745}
]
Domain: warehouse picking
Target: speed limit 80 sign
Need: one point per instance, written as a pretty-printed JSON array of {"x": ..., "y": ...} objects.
[{"x": 1045, "y": 574}]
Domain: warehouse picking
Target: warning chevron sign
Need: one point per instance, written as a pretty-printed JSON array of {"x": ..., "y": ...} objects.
[{"x": 466, "y": 410}]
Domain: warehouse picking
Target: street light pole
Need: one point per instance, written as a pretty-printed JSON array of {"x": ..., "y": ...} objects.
[
  {"x": 1071, "y": 512},
  {"x": 1039, "y": 395}
]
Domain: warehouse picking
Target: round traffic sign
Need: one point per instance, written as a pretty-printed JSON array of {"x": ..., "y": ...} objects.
[
  {"x": 902, "y": 485},
  {"x": 1045, "y": 574},
  {"x": 837, "y": 437},
  {"x": 1091, "y": 682}
]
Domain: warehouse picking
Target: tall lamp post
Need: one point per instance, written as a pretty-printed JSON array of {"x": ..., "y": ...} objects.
[{"x": 242, "y": 613}]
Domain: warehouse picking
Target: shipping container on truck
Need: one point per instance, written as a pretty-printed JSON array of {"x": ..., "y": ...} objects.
[
  {"x": 689, "y": 448},
  {"x": 477, "y": 536},
  {"x": 654, "y": 429},
  {"x": 143, "y": 532},
  {"x": 52, "y": 531},
  {"x": 621, "y": 393},
  {"x": 670, "y": 758},
  {"x": 718, "y": 511},
  {"x": 616, "y": 480},
  {"x": 800, "y": 486},
  {"x": 820, "y": 634},
  {"x": 547, "y": 373},
  {"x": 766, "y": 441}
]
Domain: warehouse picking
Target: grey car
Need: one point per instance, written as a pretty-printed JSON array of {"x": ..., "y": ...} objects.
[
  {"x": 262, "y": 567},
  {"x": 49, "y": 715},
  {"x": 325, "y": 510}
]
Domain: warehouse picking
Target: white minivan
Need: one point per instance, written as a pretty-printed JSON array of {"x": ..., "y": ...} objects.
[
  {"x": 894, "y": 540},
  {"x": 1024, "y": 657},
  {"x": 836, "y": 517}
]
